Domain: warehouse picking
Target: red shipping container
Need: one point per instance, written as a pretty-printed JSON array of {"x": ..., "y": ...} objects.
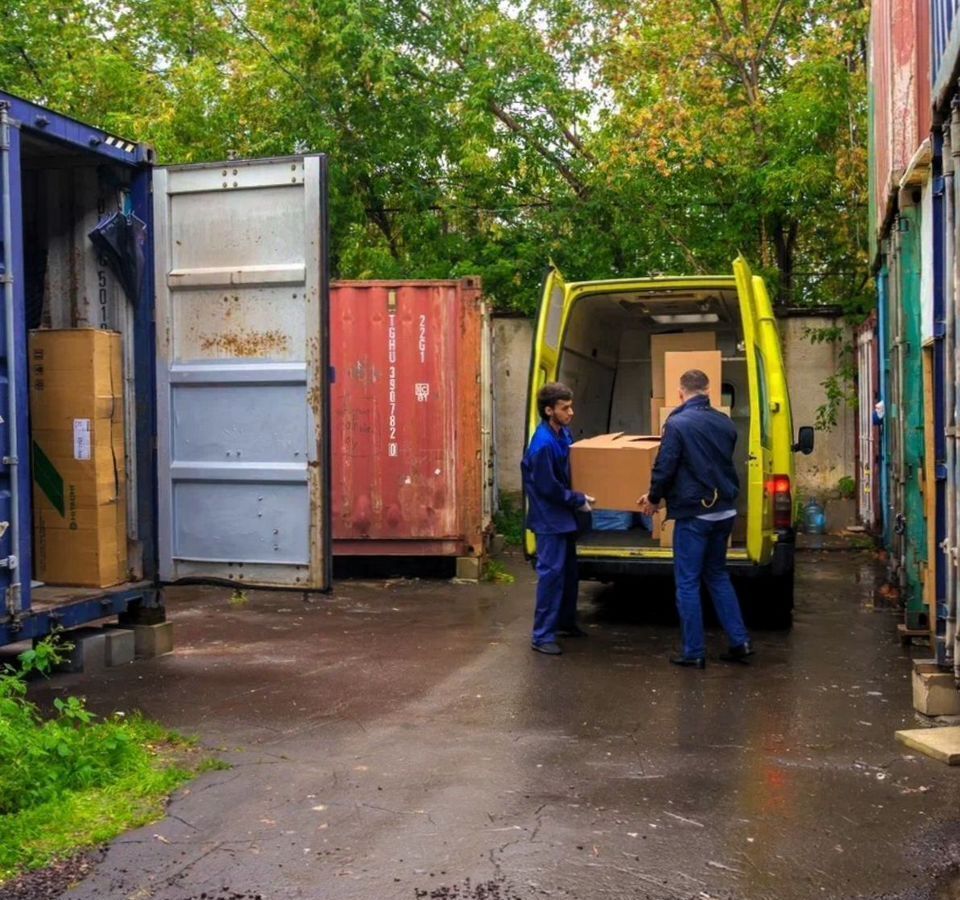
[{"x": 411, "y": 418}]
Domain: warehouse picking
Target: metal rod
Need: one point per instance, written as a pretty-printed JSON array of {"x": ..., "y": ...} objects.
[{"x": 13, "y": 592}]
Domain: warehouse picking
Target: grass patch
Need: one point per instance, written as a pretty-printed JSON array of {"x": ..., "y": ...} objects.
[
  {"x": 509, "y": 520},
  {"x": 73, "y": 780},
  {"x": 494, "y": 571}
]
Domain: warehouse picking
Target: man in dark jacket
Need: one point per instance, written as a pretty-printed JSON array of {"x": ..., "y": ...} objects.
[
  {"x": 694, "y": 473},
  {"x": 550, "y": 516}
]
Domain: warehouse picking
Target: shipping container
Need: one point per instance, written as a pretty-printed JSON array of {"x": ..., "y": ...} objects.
[
  {"x": 945, "y": 50},
  {"x": 215, "y": 277},
  {"x": 900, "y": 98},
  {"x": 412, "y": 418},
  {"x": 869, "y": 409}
]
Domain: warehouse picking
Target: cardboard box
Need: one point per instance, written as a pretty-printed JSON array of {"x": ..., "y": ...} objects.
[
  {"x": 656, "y": 404},
  {"x": 708, "y": 361},
  {"x": 666, "y": 533},
  {"x": 614, "y": 468},
  {"x": 661, "y": 344},
  {"x": 666, "y": 410},
  {"x": 79, "y": 476}
]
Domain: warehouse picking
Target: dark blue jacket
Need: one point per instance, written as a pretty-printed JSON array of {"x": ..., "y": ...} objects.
[
  {"x": 546, "y": 481},
  {"x": 694, "y": 469}
]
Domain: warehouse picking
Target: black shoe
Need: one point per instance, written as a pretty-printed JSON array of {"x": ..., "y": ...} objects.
[
  {"x": 690, "y": 662},
  {"x": 740, "y": 653},
  {"x": 574, "y": 631},
  {"x": 551, "y": 648}
]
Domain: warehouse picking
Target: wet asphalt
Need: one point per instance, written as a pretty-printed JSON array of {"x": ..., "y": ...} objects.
[{"x": 398, "y": 739}]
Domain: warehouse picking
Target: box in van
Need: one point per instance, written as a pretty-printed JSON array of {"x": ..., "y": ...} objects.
[{"x": 606, "y": 339}]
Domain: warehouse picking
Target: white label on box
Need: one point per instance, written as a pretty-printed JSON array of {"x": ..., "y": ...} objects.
[{"x": 81, "y": 439}]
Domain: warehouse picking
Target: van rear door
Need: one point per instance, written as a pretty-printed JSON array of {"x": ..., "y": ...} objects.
[
  {"x": 242, "y": 372},
  {"x": 760, "y": 449},
  {"x": 554, "y": 306}
]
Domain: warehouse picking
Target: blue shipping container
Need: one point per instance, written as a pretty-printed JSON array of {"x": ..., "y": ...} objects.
[{"x": 224, "y": 328}]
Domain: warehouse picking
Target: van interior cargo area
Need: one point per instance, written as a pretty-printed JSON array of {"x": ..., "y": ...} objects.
[
  {"x": 606, "y": 360},
  {"x": 68, "y": 284}
]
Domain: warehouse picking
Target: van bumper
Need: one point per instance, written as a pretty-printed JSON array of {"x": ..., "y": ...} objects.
[{"x": 608, "y": 568}]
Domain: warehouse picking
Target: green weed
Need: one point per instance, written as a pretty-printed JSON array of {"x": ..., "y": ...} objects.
[
  {"x": 239, "y": 599},
  {"x": 494, "y": 571},
  {"x": 509, "y": 520},
  {"x": 75, "y": 780}
]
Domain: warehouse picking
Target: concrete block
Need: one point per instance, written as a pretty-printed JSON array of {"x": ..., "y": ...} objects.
[
  {"x": 939, "y": 743},
  {"x": 121, "y": 646},
  {"x": 468, "y": 568},
  {"x": 153, "y": 640},
  {"x": 934, "y": 691},
  {"x": 89, "y": 653}
]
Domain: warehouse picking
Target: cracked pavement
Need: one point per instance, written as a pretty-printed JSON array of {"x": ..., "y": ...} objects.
[{"x": 397, "y": 739}]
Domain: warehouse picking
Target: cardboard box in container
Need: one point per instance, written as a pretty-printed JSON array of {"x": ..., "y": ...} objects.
[
  {"x": 79, "y": 478},
  {"x": 707, "y": 361},
  {"x": 656, "y": 404},
  {"x": 666, "y": 410},
  {"x": 614, "y": 468},
  {"x": 661, "y": 344}
]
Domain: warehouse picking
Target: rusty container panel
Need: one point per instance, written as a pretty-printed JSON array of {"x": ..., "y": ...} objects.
[
  {"x": 900, "y": 94},
  {"x": 410, "y": 418}
]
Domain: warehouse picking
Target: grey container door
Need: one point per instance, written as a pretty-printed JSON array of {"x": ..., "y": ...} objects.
[{"x": 242, "y": 383}]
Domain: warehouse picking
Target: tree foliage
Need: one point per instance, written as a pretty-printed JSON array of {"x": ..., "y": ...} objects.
[{"x": 486, "y": 136}]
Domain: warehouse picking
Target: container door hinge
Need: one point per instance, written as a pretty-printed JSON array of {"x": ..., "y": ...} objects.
[
  {"x": 10, "y": 461},
  {"x": 8, "y": 562}
]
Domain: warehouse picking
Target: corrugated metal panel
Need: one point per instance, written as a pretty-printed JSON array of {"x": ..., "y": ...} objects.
[
  {"x": 241, "y": 371},
  {"x": 411, "y": 452},
  {"x": 899, "y": 73},
  {"x": 945, "y": 48}
]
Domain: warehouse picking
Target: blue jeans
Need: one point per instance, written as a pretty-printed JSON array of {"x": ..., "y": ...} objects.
[
  {"x": 700, "y": 553},
  {"x": 557, "y": 586}
]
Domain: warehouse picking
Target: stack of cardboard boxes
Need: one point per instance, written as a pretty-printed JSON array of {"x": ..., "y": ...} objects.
[
  {"x": 615, "y": 468},
  {"x": 79, "y": 480}
]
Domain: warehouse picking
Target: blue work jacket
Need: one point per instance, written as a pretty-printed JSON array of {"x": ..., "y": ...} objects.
[
  {"x": 694, "y": 468},
  {"x": 546, "y": 481}
]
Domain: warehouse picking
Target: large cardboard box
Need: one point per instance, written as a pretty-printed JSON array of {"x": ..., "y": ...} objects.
[
  {"x": 614, "y": 468},
  {"x": 660, "y": 344},
  {"x": 666, "y": 410},
  {"x": 79, "y": 480},
  {"x": 708, "y": 361},
  {"x": 656, "y": 404}
]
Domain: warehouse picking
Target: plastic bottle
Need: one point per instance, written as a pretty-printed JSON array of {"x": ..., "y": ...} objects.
[{"x": 814, "y": 519}]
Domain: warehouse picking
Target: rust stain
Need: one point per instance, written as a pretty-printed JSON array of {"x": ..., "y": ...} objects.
[{"x": 246, "y": 343}]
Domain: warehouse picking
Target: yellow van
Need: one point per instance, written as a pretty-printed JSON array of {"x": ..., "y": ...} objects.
[{"x": 595, "y": 336}]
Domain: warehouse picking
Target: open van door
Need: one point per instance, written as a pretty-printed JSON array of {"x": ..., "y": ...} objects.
[
  {"x": 554, "y": 304},
  {"x": 760, "y": 450},
  {"x": 242, "y": 372}
]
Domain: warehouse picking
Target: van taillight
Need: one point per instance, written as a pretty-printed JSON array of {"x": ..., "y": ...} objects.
[{"x": 779, "y": 486}]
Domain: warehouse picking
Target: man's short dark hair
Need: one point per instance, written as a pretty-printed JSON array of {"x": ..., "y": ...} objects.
[
  {"x": 694, "y": 381},
  {"x": 550, "y": 395}
]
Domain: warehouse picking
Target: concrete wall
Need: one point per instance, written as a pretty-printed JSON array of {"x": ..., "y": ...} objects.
[
  {"x": 808, "y": 366},
  {"x": 512, "y": 345}
]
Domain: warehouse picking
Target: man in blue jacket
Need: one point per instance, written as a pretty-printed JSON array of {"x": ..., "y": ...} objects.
[
  {"x": 694, "y": 472},
  {"x": 550, "y": 516}
]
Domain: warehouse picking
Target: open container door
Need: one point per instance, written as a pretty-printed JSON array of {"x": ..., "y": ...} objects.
[{"x": 242, "y": 372}]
